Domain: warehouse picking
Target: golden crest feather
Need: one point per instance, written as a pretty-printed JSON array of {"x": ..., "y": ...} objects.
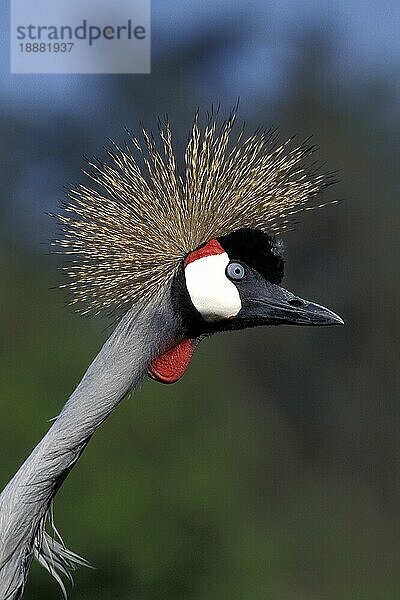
[{"x": 128, "y": 231}]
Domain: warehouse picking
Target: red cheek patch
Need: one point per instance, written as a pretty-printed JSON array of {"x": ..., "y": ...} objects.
[
  {"x": 170, "y": 366},
  {"x": 212, "y": 248}
]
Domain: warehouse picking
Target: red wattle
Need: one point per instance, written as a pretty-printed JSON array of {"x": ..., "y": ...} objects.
[{"x": 170, "y": 366}]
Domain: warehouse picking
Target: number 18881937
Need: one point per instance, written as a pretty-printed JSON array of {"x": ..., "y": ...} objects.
[{"x": 46, "y": 47}]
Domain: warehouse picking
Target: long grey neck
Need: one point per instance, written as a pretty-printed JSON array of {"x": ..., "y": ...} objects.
[{"x": 118, "y": 368}]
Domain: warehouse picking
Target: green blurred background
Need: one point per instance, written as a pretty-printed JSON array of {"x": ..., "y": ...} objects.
[{"x": 271, "y": 471}]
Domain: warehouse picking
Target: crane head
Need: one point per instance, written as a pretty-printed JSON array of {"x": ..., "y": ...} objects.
[
  {"x": 201, "y": 234},
  {"x": 232, "y": 282}
]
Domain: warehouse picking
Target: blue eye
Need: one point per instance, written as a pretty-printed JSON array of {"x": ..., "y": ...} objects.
[{"x": 235, "y": 271}]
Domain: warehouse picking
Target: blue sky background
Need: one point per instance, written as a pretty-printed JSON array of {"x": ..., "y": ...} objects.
[
  {"x": 252, "y": 65},
  {"x": 367, "y": 34}
]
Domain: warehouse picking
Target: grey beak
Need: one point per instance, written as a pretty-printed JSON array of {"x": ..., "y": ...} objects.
[{"x": 275, "y": 306}]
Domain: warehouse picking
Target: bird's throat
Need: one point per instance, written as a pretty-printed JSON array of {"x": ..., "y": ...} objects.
[{"x": 170, "y": 366}]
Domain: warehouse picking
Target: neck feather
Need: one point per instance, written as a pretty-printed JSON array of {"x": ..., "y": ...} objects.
[{"x": 120, "y": 365}]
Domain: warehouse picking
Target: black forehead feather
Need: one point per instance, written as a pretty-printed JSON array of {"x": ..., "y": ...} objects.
[{"x": 256, "y": 249}]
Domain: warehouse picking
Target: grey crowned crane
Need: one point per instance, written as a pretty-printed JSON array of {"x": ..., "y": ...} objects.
[{"x": 178, "y": 254}]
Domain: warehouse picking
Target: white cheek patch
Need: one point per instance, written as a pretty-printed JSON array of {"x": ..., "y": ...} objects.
[{"x": 212, "y": 293}]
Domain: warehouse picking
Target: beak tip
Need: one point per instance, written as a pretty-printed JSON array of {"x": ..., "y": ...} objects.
[
  {"x": 336, "y": 320},
  {"x": 325, "y": 316}
]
